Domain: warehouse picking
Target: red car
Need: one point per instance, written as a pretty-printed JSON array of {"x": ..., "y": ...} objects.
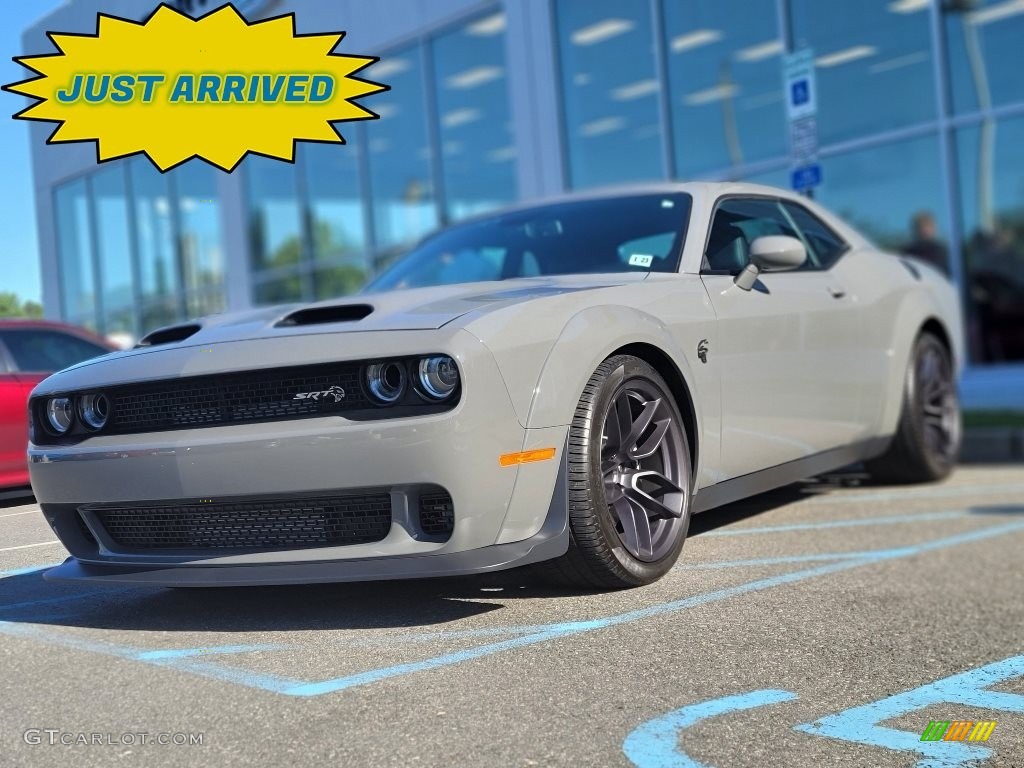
[{"x": 30, "y": 350}]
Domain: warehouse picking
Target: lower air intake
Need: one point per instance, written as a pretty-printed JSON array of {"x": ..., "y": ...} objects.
[
  {"x": 249, "y": 525},
  {"x": 437, "y": 514}
]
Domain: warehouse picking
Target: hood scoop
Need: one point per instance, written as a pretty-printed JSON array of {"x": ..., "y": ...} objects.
[
  {"x": 334, "y": 313},
  {"x": 168, "y": 335}
]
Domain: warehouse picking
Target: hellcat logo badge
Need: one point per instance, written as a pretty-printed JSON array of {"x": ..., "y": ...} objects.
[
  {"x": 702, "y": 350},
  {"x": 335, "y": 393}
]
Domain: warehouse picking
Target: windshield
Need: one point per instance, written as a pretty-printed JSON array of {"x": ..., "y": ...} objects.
[{"x": 641, "y": 233}]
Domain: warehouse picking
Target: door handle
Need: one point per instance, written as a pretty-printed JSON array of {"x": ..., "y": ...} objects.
[{"x": 836, "y": 292}]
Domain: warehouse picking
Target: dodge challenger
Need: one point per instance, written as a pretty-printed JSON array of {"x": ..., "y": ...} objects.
[{"x": 561, "y": 384}]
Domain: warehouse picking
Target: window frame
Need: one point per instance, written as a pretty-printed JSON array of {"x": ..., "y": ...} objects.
[
  {"x": 706, "y": 270},
  {"x": 15, "y": 367}
]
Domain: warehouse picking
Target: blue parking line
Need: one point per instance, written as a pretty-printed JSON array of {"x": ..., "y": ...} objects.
[
  {"x": 860, "y": 725},
  {"x": 188, "y": 663},
  {"x": 186, "y": 653},
  {"x": 655, "y": 744},
  {"x": 26, "y": 570},
  {"x": 942, "y": 492},
  {"x": 783, "y": 560},
  {"x": 555, "y": 631},
  {"x": 77, "y": 596},
  {"x": 951, "y": 514},
  {"x": 192, "y": 663}
]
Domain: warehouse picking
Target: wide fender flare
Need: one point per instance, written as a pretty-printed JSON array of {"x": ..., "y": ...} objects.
[
  {"x": 916, "y": 309},
  {"x": 589, "y": 338}
]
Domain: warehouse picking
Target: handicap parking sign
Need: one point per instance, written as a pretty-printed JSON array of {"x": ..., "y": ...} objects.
[
  {"x": 806, "y": 177},
  {"x": 800, "y": 92}
]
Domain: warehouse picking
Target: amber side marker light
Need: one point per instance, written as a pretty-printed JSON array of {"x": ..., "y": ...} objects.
[{"x": 525, "y": 457}]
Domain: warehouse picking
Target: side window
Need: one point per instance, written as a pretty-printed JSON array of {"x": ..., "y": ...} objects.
[
  {"x": 738, "y": 222},
  {"x": 825, "y": 243},
  {"x": 47, "y": 350}
]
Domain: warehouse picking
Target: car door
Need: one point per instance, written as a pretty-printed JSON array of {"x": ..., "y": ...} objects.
[
  {"x": 780, "y": 347},
  {"x": 13, "y": 425}
]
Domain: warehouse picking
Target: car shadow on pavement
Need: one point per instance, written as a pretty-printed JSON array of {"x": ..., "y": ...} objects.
[
  {"x": 16, "y": 497},
  {"x": 27, "y": 598}
]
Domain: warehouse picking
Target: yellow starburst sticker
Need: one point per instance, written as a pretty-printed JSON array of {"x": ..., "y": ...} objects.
[{"x": 217, "y": 87}]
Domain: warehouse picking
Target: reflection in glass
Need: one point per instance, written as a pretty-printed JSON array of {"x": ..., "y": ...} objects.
[
  {"x": 880, "y": 190},
  {"x": 983, "y": 40},
  {"x": 610, "y": 90},
  {"x": 992, "y": 194},
  {"x": 74, "y": 254},
  {"x": 202, "y": 257},
  {"x": 274, "y": 213},
  {"x": 280, "y": 290},
  {"x": 399, "y": 153},
  {"x": 725, "y": 81},
  {"x": 159, "y": 281},
  {"x": 477, "y": 149},
  {"x": 114, "y": 249},
  {"x": 874, "y": 64},
  {"x": 336, "y": 215}
]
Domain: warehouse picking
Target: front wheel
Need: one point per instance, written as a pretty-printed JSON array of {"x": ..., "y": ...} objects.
[
  {"x": 927, "y": 441},
  {"x": 629, "y": 479}
]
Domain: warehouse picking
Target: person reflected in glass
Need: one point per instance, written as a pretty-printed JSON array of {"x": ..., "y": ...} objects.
[
  {"x": 926, "y": 244},
  {"x": 995, "y": 262}
]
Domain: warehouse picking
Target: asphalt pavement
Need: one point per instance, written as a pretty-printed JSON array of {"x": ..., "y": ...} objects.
[{"x": 827, "y": 623}]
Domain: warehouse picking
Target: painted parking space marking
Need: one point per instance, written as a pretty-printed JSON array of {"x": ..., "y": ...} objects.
[
  {"x": 655, "y": 744},
  {"x": 18, "y": 514},
  {"x": 911, "y": 494},
  {"x": 196, "y": 664},
  {"x": 971, "y": 688},
  {"x": 185, "y": 664},
  {"x": 185, "y": 653},
  {"x": 26, "y": 570},
  {"x": 856, "y": 522},
  {"x": 28, "y": 546}
]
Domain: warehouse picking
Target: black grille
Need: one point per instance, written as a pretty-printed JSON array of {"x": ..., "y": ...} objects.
[
  {"x": 437, "y": 514},
  {"x": 236, "y": 398},
  {"x": 282, "y": 524}
]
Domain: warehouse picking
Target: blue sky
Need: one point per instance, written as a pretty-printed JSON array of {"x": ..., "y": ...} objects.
[{"x": 19, "y": 250}]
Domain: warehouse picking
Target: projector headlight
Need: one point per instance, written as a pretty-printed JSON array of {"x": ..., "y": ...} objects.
[
  {"x": 438, "y": 377},
  {"x": 386, "y": 381},
  {"x": 94, "y": 410},
  {"x": 60, "y": 413}
]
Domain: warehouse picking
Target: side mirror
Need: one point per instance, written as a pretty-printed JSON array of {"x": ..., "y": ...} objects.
[{"x": 771, "y": 253}]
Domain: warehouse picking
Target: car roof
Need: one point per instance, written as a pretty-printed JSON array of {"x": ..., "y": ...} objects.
[{"x": 21, "y": 323}]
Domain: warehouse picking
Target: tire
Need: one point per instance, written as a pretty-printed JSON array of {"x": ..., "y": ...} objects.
[
  {"x": 926, "y": 445},
  {"x": 647, "y": 479}
]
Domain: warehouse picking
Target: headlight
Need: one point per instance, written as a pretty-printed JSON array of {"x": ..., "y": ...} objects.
[
  {"x": 60, "y": 413},
  {"x": 386, "y": 381},
  {"x": 438, "y": 376},
  {"x": 94, "y": 410}
]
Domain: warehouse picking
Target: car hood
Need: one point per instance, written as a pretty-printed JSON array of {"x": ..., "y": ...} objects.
[
  {"x": 418, "y": 309},
  {"x": 402, "y": 310}
]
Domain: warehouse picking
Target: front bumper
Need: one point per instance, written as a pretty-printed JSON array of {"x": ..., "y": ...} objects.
[{"x": 504, "y": 516}]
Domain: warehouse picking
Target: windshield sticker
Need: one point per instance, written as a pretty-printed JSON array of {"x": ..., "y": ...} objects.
[{"x": 641, "y": 260}]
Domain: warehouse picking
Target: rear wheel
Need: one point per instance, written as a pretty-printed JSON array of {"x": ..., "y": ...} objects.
[
  {"x": 927, "y": 442},
  {"x": 629, "y": 479}
]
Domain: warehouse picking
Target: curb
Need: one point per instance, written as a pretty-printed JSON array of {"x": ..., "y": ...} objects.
[{"x": 992, "y": 444}]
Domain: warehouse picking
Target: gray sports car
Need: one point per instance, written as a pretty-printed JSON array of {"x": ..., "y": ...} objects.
[{"x": 564, "y": 382}]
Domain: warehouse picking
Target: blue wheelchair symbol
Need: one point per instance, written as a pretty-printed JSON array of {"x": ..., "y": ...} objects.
[{"x": 800, "y": 92}]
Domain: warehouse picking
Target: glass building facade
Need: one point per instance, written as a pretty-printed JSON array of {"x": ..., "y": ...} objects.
[{"x": 920, "y": 125}]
